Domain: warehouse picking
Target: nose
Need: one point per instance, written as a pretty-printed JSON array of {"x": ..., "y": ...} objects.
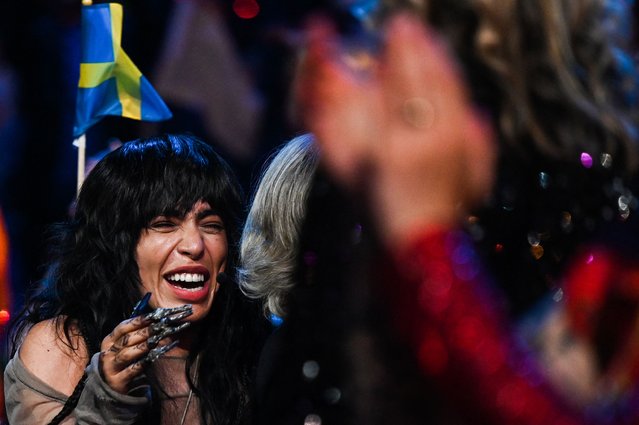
[{"x": 191, "y": 244}]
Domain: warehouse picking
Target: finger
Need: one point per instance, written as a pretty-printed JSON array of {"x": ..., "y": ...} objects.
[
  {"x": 339, "y": 104},
  {"x": 132, "y": 331},
  {"x": 481, "y": 157},
  {"x": 429, "y": 110},
  {"x": 132, "y": 339},
  {"x": 162, "y": 330},
  {"x": 422, "y": 87},
  {"x": 121, "y": 379},
  {"x": 118, "y": 372},
  {"x": 157, "y": 352},
  {"x": 416, "y": 61},
  {"x": 321, "y": 44},
  {"x": 113, "y": 361},
  {"x": 132, "y": 346},
  {"x": 425, "y": 84},
  {"x": 119, "y": 357},
  {"x": 123, "y": 358},
  {"x": 126, "y": 327}
]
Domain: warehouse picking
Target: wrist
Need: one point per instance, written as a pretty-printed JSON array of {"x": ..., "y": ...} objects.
[{"x": 400, "y": 224}]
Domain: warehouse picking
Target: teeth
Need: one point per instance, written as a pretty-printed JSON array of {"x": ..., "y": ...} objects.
[
  {"x": 191, "y": 289},
  {"x": 197, "y": 288},
  {"x": 186, "y": 277}
]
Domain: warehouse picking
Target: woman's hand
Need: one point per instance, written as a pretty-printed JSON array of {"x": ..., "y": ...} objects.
[
  {"x": 121, "y": 351},
  {"x": 399, "y": 126},
  {"x": 137, "y": 342}
]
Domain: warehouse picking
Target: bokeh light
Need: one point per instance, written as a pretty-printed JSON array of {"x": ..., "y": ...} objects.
[
  {"x": 4, "y": 317},
  {"x": 246, "y": 9},
  {"x": 586, "y": 160}
]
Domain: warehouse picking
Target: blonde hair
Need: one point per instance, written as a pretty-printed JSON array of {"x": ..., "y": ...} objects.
[{"x": 270, "y": 239}]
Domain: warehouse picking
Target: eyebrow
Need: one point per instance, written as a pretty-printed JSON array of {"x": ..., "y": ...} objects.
[
  {"x": 202, "y": 214},
  {"x": 207, "y": 213}
]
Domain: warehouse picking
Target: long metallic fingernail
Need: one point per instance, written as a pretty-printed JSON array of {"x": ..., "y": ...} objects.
[
  {"x": 157, "y": 327},
  {"x": 161, "y": 326},
  {"x": 141, "y": 305},
  {"x": 161, "y": 313},
  {"x": 156, "y": 353},
  {"x": 164, "y": 332},
  {"x": 176, "y": 318}
]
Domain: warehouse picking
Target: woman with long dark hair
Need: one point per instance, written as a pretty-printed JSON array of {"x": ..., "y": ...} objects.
[{"x": 159, "y": 216}]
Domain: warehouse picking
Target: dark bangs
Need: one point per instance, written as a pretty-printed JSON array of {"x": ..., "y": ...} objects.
[{"x": 181, "y": 173}]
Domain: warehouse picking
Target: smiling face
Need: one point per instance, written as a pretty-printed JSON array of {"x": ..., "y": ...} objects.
[{"x": 179, "y": 259}]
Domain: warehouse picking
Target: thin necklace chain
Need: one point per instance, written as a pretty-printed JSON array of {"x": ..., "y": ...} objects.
[
  {"x": 188, "y": 400},
  {"x": 186, "y": 409}
]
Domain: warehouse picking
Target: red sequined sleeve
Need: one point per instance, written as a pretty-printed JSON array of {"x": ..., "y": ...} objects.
[{"x": 445, "y": 309}]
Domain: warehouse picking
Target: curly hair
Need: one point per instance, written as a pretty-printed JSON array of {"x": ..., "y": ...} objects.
[
  {"x": 93, "y": 280},
  {"x": 270, "y": 239}
]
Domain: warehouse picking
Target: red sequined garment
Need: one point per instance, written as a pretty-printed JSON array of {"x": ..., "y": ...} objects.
[{"x": 447, "y": 311}]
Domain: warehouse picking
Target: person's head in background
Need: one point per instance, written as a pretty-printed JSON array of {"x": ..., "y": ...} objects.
[
  {"x": 119, "y": 245},
  {"x": 297, "y": 252},
  {"x": 270, "y": 239}
]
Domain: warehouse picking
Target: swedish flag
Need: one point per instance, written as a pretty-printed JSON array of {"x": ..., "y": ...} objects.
[{"x": 110, "y": 83}]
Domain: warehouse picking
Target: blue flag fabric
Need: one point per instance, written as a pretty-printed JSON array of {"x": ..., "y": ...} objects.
[{"x": 110, "y": 83}]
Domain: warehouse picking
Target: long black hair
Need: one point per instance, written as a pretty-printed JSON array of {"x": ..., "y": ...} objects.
[{"x": 93, "y": 279}]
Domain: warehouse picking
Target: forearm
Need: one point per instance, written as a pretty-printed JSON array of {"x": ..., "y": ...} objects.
[{"x": 454, "y": 324}]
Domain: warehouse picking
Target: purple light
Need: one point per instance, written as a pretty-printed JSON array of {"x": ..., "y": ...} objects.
[{"x": 586, "y": 160}]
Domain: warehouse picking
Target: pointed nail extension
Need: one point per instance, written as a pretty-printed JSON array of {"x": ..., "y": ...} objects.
[
  {"x": 160, "y": 313},
  {"x": 155, "y": 339},
  {"x": 178, "y": 317},
  {"x": 141, "y": 305},
  {"x": 156, "y": 353}
]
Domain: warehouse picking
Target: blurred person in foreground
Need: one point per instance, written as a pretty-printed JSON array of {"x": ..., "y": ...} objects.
[
  {"x": 156, "y": 220},
  {"x": 496, "y": 139}
]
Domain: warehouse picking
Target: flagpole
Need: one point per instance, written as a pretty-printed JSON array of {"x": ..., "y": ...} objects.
[{"x": 81, "y": 144}]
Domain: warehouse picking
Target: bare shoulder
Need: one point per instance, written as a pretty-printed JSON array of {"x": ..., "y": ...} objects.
[{"x": 47, "y": 354}]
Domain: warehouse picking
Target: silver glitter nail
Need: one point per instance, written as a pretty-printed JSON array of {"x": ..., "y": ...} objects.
[
  {"x": 156, "y": 353},
  {"x": 160, "y": 313}
]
